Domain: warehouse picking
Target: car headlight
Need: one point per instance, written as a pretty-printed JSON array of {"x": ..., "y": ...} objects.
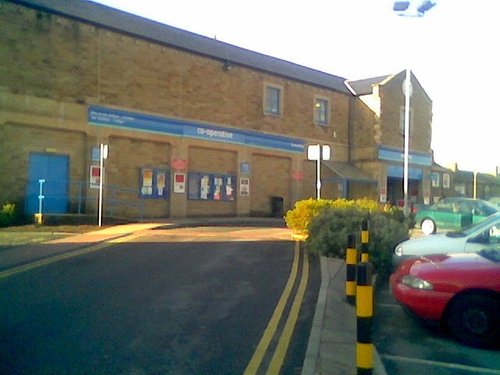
[
  {"x": 399, "y": 251},
  {"x": 416, "y": 283}
]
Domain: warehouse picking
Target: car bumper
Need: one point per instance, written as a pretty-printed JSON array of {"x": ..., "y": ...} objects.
[{"x": 398, "y": 259}]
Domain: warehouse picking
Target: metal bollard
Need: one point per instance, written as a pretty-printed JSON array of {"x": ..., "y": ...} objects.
[
  {"x": 364, "y": 319},
  {"x": 365, "y": 257},
  {"x": 351, "y": 261}
]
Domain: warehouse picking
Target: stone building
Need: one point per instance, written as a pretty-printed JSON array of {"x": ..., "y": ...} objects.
[{"x": 193, "y": 126}]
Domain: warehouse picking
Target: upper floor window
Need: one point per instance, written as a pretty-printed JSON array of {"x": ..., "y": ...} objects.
[
  {"x": 321, "y": 111},
  {"x": 402, "y": 120},
  {"x": 273, "y": 100}
]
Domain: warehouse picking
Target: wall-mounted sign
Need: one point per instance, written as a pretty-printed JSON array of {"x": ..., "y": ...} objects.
[
  {"x": 245, "y": 168},
  {"x": 95, "y": 176},
  {"x": 180, "y": 164},
  {"x": 244, "y": 186},
  {"x": 102, "y": 116},
  {"x": 179, "y": 182},
  {"x": 297, "y": 175},
  {"x": 382, "y": 195}
]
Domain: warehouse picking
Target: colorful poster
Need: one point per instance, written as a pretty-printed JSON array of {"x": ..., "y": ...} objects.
[
  {"x": 147, "y": 181},
  {"x": 160, "y": 182},
  {"x": 229, "y": 189},
  {"x": 205, "y": 187},
  {"x": 217, "y": 188}
]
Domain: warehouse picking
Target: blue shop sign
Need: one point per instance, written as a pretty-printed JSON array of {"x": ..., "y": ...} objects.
[
  {"x": 101, "y": 116},
  {"x": 389, "y": 154},
  {"x": 398, "y": 171}
]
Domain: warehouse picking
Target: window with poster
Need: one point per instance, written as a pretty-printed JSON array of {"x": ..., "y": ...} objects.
[
  {"x": 211, "y": 186},
  {"x": 153, "y": 183}
]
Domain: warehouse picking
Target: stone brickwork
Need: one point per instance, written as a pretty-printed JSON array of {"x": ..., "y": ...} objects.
[
  {"x": 392, "y": 100},
  {"x": 62, "y": 66}
]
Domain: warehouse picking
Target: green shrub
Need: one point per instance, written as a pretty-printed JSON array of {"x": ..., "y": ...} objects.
[
  {"x": 299, "y": 218},
  {"x": 7, "y": 214},
  {"x": 329, "y": 222}
]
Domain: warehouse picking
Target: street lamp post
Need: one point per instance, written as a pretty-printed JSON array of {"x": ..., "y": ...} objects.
[
  {"x": 409, "y": 9},
  {"x": 407, "y": 93}
]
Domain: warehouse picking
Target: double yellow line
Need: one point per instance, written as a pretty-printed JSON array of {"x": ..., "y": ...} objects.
[
  {"x": 57, "y": 258},
  {"x": 279, "y": 353}
]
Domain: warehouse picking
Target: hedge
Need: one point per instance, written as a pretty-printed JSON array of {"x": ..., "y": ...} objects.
[{"x": 327, "y": 223}]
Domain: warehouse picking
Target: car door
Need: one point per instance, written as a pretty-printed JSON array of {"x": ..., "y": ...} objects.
[{"x": 446, "y": 215}]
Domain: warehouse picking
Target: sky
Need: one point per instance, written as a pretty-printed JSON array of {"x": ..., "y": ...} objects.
[{"x": 452, "y": 50}]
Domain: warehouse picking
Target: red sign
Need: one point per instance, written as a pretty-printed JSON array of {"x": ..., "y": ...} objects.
[
  {"x": 298, "y": 175},
  {"x": 179, "y": 164}
]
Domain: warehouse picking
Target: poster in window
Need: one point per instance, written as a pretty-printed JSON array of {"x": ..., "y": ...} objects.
[
  {"x": 217, "y": 188},
  {"x": 229, "y": 189},
  {"x": 147, "y": 181},
  {"x": 194, "y": 186},
  {"x": 204, "y": 187},
  {"x": 160, "y": 182}
]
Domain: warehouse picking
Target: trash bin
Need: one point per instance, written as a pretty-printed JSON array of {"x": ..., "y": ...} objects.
[{"x": 277, "y": 206}]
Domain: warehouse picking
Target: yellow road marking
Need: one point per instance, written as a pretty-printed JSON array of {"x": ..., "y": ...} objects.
[
  {"x": 57, "y": 258},
  {"x": 268, "y": 334},
  {"x": 280, "y": 352}
]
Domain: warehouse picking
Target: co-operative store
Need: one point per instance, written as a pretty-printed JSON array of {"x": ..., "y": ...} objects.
[{"x": 193, "y": 126}]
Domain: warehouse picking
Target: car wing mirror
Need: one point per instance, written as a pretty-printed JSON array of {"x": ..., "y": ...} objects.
[{"x": 482, "y": 238}]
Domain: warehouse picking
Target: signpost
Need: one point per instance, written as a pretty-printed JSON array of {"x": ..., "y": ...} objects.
[
  {"x": 318, "y": 153},
  {"x": 103, "y": 154}
]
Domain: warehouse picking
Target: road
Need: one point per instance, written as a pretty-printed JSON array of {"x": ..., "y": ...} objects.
[
  {"x": 408, "y": 347},
  {"x": 179, "y": 301}
]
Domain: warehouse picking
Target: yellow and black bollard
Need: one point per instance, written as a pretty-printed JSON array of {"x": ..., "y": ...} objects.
[
  {"x": 364, "y": 241},
  {"x": 364, "y": 318},
  {"x": 351, "y": 259}
]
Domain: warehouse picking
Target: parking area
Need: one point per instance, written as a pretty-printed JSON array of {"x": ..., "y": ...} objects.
[{"x": 406, "y": 346}]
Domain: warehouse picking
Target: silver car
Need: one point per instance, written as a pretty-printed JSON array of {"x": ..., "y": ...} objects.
[{"x": 483, "y": 235}]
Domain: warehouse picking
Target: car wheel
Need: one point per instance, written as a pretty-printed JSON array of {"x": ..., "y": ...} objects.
[
  {"x": 428, "y": 226},
  {"x": 474, "y": 320}
]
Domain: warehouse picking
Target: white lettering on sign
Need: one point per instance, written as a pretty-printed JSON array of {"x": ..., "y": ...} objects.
[{"x": 211, "y": 133}]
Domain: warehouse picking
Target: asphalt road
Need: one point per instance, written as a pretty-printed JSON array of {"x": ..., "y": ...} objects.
[
  {"x": 408, "y": 347},
  {"x": 169, "y": 303}
]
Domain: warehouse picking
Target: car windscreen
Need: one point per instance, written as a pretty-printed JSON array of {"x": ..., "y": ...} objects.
[
  {"x": 484, "y": 224},
  {"x": 491, "y": 254}
]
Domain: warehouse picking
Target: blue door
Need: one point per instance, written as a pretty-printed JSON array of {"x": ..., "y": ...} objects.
[{"x": 54, "y": 170}]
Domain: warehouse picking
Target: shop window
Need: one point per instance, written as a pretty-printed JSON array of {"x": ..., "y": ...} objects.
[
  {"x": 446, "y": 181},
  {"x": 435, "y": 179},
  {"x": 211, "y": 187},
  {"x": 153, "y": 183}
]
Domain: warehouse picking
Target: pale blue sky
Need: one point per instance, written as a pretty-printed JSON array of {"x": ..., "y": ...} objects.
[{"x": 452, "y": 50}]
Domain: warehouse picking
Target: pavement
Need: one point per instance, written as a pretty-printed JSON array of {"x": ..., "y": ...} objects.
[{"x": 331, "y": 349}]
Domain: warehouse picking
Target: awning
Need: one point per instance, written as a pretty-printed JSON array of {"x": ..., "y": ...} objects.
[{"x": 349, "y": 172}]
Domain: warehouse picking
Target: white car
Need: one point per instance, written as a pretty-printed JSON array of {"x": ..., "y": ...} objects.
[{"x": 483, "y": 235}]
